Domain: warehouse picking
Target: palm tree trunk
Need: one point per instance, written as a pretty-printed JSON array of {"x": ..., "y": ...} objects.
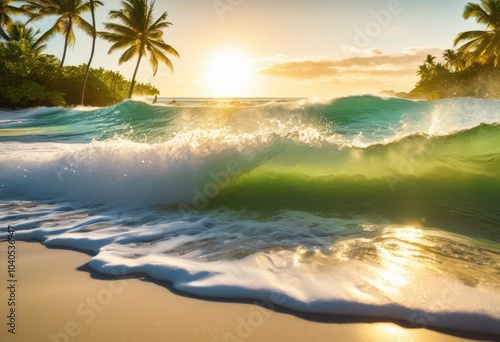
[
  {"x": 135, "y": 74},
  {"x": 70, "y": 23},
  {"x": 91, "y": 52}
]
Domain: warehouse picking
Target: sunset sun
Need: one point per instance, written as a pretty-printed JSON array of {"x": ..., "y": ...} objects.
[{"x": 228, "y": 74}]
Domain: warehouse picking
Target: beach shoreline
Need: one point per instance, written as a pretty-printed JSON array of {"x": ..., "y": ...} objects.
[{"x": 58, "y": 298}]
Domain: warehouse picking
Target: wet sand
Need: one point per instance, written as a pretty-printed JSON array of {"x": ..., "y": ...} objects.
[{"x": 58, "y": 298}]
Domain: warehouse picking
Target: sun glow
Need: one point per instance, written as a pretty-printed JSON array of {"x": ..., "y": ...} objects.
[
  {"x": 399, "y": 258},
  {"x": 229, "y": 75}
]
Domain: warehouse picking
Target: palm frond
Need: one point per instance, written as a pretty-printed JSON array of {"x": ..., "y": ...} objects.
[
  {"x": 121, "y": 30},
  {"x": 160, "y": 55},
  {"x": 129, "y": 54},
  {"x": 112, "y": 37},
  {"x": 469, "y": 35},
  {"x": 3, "y": 34},
  {"x": 119, "y": 44},
  {"x": 85, "y": 7},
  {"x": 13, "y": 10},
  {"x": 476, "y": 11},
  {"x": 480, "y": 47},
  {"x": 121, "y": 15},
  {"x": 6, "y": 20},
  {"x": 84, "y": 25},
  {"x": 160, "y": 23},
  {"x": 67, "y": 14},
  {"x": 70, "y": 34},
  {"x": 50, "y": 33},
  {"x": 134, "y": 28},
  {"x": 153, "y": 60},
  {"x": 165, "y": 47}
]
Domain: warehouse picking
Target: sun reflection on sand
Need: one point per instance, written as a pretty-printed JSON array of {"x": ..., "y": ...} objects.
[
  {"x": 397, "y": 259},
  {"x": 393, "y": 332},
  {"x": 388, "y": 259}
]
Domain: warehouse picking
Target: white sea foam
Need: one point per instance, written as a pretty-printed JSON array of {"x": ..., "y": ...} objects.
[
  {"x": 121, "y": 200},
  {"x": 297, "y": 260}
]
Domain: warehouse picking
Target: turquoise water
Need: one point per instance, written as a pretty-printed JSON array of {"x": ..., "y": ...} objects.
[{"x": 362, "y": 205}]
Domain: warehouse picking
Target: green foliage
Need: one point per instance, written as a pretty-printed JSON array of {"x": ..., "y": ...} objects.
[
  {"x": 475, "y": 81},
  {"x": 474, "y": 69},
  {"x": 104, "y": 87},
  {"x": 145, "y": 89},
  {"x": 18, "y": 31},
  {"x": 29, "y": 79},
  {"x": 6, "y": 10},
  {"x": 24, "y": 76},
  {"x": 481, "y": 47},
  {"x": 27, "y": 93}
]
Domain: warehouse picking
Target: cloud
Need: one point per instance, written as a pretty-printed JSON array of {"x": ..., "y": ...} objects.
[
  {"x": 304, "y": 69},
  {"x": 372, "y": 64}
]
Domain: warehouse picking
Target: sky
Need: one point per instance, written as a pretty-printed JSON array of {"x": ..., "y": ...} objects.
[{"x": 285, "y": 48}]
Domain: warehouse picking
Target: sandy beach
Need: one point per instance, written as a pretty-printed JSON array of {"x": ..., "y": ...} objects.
[{"x": 59, "y": 299}]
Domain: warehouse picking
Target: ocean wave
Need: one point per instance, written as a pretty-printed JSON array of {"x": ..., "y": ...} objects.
[
  {"x": 437, "y": 181},
  {"x": 368, "y": 119},
  {"x": 359, "y": 206}
]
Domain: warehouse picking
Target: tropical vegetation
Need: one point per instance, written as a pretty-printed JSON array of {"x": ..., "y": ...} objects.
[
  {"x": 473, "y": 69},
  {"x": 6, "y": 11},
  {"x": 29, "y": 77}
]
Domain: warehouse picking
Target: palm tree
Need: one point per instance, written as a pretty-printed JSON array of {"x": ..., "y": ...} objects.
[
  {"x": 92, "y": 11},
  {"x": 141, "y": 34},
  {"x": 6, "y": 10},
  {"x": 453, "y": 60},
  {"x": 68, "y": 12},
  {"x": 17, "y": 31},
  {"x": 440, "y": 68},
  {"x": 428, "y": 69},
  {"x": 430, "y": 60},
  {"x": 481, "y": 47},
  {"x": 423, "y": 71}
]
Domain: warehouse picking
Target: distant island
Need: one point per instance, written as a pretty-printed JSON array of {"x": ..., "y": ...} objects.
[
  {"x": 402, "y": 95},
  {"x": 473, "y": 70}
]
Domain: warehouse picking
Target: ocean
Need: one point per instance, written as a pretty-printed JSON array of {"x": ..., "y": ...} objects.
[{"x": 361, "y": 206}]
